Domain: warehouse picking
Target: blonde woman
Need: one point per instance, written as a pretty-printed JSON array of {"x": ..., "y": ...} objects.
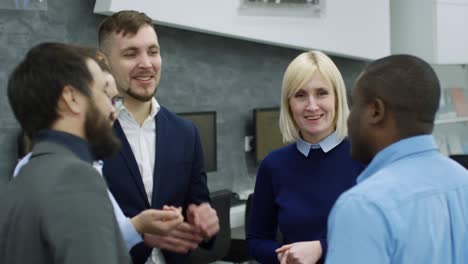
[{"x": 298, "y": 184}]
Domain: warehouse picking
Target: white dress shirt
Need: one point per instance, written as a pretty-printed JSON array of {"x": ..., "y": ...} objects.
[{"x": 142, "y": 140}]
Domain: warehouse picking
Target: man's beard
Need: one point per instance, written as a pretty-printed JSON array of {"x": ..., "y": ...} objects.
[
  {"x": 101, "y": 138},
  {"x": 139, "y": 97},
  {"x": 143, "y": 98}
]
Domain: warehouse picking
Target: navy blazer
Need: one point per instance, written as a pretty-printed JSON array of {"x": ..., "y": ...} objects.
[{"x": 179, "y": 177}]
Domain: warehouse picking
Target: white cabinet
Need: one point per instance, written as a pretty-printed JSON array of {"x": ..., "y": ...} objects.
[
  {"x": 452, "y": 120},
  {"x": 435, "y": 30},
  {"x": 451, "y": 136},
  {"x": 451, "y": 130},
  {"x": 358, "y": 28}
]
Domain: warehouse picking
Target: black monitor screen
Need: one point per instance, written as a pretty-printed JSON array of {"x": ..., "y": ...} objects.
[
  {"x": 267, "y": 132},
  {"x": 206, "y": 124},
  {"x": 462, "y": 159}
]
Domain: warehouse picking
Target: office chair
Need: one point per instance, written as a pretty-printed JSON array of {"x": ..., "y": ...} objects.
[{"x": 221, "y": 202}]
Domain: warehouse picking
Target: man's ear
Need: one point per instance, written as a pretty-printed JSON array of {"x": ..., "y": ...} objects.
[
  {"x": 71, "y": 100},
  {"x": 376, "y": 111}
]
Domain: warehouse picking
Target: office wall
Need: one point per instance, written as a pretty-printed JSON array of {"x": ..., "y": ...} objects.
[
  {"x": 64, "y": 20},
  {"x": 201, "y": 72}
]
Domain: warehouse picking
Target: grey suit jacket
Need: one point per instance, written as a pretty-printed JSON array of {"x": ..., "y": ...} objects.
[{"x": 57, "y": 211}]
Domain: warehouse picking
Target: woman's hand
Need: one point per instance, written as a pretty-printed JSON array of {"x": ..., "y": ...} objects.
[{"x": 300, "y": 253}]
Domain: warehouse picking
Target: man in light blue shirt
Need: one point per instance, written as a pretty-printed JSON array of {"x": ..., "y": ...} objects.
[{"x": 411, "y": 202}]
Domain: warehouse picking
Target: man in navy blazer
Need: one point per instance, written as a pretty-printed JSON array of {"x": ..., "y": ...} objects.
[{"x": 161, "y": 161}]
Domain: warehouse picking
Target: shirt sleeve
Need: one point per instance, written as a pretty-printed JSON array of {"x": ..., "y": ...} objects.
[
  {"x": 21, "y": 163},
  {"x": 129, "y": 233},
  {"x": 263, "y": 224},
  {"x": 358, "y": 232}
]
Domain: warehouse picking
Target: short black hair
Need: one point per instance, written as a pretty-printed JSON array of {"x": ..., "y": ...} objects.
[
  {"x": 409, "y": 87},
  {"x": 35, "y": 85}
]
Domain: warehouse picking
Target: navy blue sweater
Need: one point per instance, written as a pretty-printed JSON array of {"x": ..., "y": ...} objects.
[{"x": 296, "y": 194}]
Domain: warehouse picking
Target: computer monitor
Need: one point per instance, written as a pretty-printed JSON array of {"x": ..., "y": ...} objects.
[
  {"x": 267, "y": 132},
  {"x": 206, "y": 124},
  {"x": 462, "y": 159}
]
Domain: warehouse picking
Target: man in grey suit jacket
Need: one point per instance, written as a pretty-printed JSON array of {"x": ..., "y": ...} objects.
[{"x": 57, "y": 209}]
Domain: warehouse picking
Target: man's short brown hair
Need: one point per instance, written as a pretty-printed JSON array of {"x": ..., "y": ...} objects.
[{"x": 123, "y": 22}]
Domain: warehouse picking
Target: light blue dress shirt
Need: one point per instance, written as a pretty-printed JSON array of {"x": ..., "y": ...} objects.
[
  {"x": 410, "y": 206},
  {"x": 129, "y": 233}
]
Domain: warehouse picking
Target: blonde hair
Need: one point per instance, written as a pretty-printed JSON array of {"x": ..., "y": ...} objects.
[{"x": 298, "y": 73}]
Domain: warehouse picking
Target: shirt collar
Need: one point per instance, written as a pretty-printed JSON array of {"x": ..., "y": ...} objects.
[
  {"x": 330, "y": 142},
  {"x": 153, "y": 112},
  {"x": 154, "y": 108},
  {"x": 397, "y": 151},
  {"x": 77, "y": 145}
]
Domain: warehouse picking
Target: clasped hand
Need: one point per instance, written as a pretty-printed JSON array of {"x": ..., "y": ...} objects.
[
  {"x": 158, "y": 222},
  {"x": 202, "y": 223}
]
